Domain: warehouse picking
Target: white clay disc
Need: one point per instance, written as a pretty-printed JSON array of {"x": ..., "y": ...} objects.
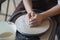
[{"x": 22, "y": 24}]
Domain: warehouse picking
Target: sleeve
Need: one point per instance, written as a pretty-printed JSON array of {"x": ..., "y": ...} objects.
[
  {"x": 59, "y": 2},
  {"x": 1, "y": 1}
]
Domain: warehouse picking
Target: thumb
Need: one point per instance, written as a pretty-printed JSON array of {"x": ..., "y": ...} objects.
[
  {"x": 29, "y": 15},
  {"x": 32, "y": 14}
]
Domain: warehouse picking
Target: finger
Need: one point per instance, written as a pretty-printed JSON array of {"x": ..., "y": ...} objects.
[
  {"x": 29, "y": 15},
  {"x": 32, "y": 14},
  {"x": 37, "y": 24},
  {"x": 33, "y": 19}
]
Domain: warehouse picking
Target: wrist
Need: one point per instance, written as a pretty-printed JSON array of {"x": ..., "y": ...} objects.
[
  {"x": 31, "y": 11},
  {"x": 44, "y": 15}
]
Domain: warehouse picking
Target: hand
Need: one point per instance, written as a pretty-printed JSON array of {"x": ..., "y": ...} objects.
[
  {"x": 30, "y": 15},
  {"x": 36, "y": 20}
]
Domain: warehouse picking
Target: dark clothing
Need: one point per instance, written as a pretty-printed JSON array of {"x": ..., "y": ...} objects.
[
  {"x": 1, "y": 1},
  {"x": 19, "y": 36},
  {"x": 38, "y": 4},
  {"x": 43, "y": 4}
]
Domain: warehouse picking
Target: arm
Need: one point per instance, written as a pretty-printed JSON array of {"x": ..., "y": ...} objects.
[
  {"x": 28, "y": 5},
  {"x": 38, "y": 18},
  {"x": 52, "y": 12}
]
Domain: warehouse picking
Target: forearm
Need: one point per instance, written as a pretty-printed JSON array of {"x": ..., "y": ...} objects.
[
  {"x": 52, "y": 12},
  {"x": 28, "y": 5}
]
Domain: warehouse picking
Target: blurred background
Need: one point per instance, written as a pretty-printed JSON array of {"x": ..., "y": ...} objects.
[{"x": 12, "y": 5}]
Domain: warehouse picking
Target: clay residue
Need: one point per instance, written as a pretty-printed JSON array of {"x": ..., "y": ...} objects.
[{"x": 5, "y": 34}]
